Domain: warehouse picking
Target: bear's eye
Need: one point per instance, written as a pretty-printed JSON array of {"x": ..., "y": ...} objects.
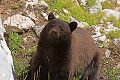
[{"x": 61, "y": 29}]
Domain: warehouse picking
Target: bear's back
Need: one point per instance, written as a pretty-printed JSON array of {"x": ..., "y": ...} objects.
[{"x": 83, "y": 49}]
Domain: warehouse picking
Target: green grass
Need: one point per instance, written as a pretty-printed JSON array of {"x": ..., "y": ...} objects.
[
  {"x": 90, "y": 2},
  {"x": 113, "y": 73},
  {"x": 75, "y": 11},
  {"x": 114, "y": 34},
  {"x": 109, "y": 5},
  {"x": 19, "y": 59},
  {"x": 15, "y": 41}
]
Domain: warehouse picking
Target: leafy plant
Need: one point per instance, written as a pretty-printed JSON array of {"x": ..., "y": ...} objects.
[
  {"x": 14, "y": 41},
  {"x": 114, "y": 34}
]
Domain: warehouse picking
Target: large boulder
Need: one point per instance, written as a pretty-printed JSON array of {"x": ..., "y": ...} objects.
[
  {"x": 6, "y": 61},
  {"x": 20, "y": 22}
]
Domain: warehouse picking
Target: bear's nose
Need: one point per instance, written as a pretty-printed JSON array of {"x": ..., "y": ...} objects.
[{"x": 54, "y": 33}]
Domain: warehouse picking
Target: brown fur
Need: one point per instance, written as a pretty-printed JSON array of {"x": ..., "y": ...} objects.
[{"x": 63, "y": 51}]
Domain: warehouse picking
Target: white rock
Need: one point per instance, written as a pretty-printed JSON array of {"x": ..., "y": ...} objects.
[
  {"x": 44, "y": 15},
  {"x": 110, "y": 27},
  {"x": 31, "y": 2},
  {"x": 38, "y": 29},
  {"x": 102, "y": 0},
  {"x": 82, "y": 2},
  {"x": 65, "y": 11},
  {"x": 107, "y": 53},
  {"x": 116, "y": 41},
  {"x": 110, "y": 13},
  {"x": 96, "y": 8},
  {"x": 96, "y": 34},
  {"x": 41, "y": 3},
  {"x": 19, "y": 21},
  {"x": 102, "y": 38},
  {"x": 32, "y": 15},
  {"x": 118, "y": 1},
  {"x": 6, "y": 61}
]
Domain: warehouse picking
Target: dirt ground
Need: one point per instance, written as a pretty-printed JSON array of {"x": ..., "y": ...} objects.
[{"x": 10, "y": 7}]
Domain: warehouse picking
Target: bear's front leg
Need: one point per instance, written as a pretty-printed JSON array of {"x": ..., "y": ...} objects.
[
  {"x": 91, "y": 72},
  {"x": 38, "y": 68}
]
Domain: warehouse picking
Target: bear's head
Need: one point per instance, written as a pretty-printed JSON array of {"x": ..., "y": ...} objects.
[{"x": 57, "y": 30}]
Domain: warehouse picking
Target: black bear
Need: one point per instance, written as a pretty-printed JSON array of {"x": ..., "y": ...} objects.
[{"x": 63, "y": 51}]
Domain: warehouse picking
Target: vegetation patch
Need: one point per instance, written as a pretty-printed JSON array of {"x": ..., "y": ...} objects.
[
  {"x": 90, "y": 2},
  {"x": 75, "y": 11},
  {"x": 109, "y": 4},
  {"x": 113, "y": 74},
  {"x": 15, "y": 41},
  {"x": 114, "y": 34}
]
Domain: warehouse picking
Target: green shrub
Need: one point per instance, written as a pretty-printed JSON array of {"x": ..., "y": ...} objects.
[
  {"x": 14, "y": 41},
  {"x": 114, "y": 34},
  {"x": 90, "y": 2},
  {"x": 109, "y": 4},
  {"x": 75, "y": 11},
  {"x": 113, "y": 73}
]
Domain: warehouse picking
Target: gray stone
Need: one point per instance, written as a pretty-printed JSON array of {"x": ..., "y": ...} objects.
[
  {"x": 96, "y": 8},
  {"x": 42, "y": 4},
  {"x": 109, "y": 13},
  {"x": 107, "y": 53},
  {"x": 38, "y": 29},
  {"x": 65, "y": 11},
  {"x": 44, "y": 15},
  {"x": 20, "y": 22},
  {"x": 6, "y": 61}
]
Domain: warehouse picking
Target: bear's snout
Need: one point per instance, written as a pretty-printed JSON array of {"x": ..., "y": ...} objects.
[{"x": 54, "y": 33}]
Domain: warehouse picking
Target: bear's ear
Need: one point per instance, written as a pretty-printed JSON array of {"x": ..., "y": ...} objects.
[
  {"x": 51, "y": 16},
  {"x": 73, "y": 26}
]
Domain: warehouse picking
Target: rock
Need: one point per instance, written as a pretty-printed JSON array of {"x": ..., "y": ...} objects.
[
  {"x": 19, "y": 21},
  {"x": 65, "y": 11},
  {"x": 102, "y": 38},
  {"x": 98, "y": 36},
  {"x": 96, "y": 8},
  {"x": 116, "y": 41},
  {"x": 109, "y": 13},
  {"x": 114, "y": 46},
  {"x": 76, "y": 2},
  {"x": 31, "y": 2},
  {"x": 118, "y": 66},
  {"x": 82, "y": 2},
  {"x": 118, "y": 1},
  {"x": 42, "y": 4},
  {"x": 32, "y": 15},
  {"x": 110, "y": 27},
  {"x": 44, "y": 15},
  {"x": 107, "y": 53},
  {"x": 102, "y": 0},
  {"x": 6, "y": 61},
  {"x": 38, "y": 29}
]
